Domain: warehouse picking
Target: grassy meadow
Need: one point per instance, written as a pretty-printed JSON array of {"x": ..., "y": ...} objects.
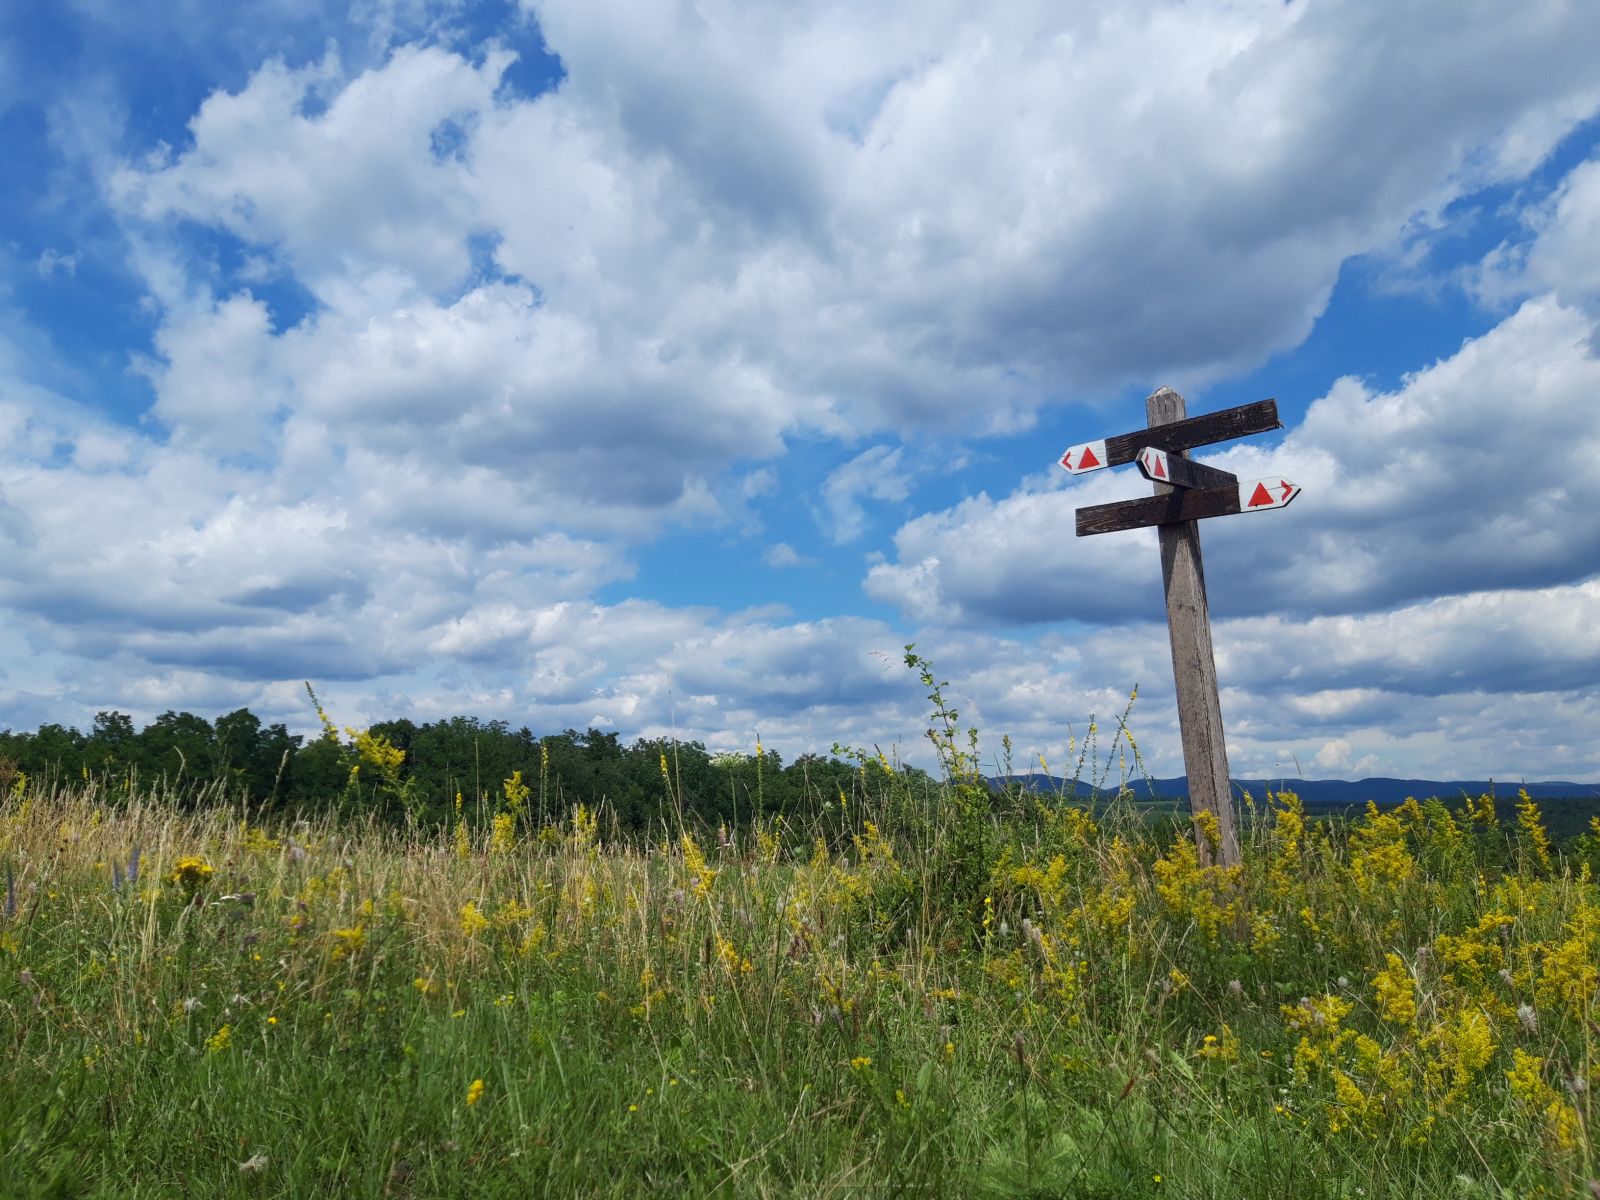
[{"x": 929, "y": 992}]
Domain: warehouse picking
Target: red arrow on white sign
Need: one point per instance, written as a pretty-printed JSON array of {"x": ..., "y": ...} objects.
[
  {"x": 1153, "y": 463},
  {"x": 1258, "y": 494},
  {"x": 1160, "y": 467},
  {"x": 1091, "y": 456}
]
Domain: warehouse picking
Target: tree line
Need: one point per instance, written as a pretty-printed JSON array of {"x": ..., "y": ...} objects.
[{"x": 401, "y": 770}]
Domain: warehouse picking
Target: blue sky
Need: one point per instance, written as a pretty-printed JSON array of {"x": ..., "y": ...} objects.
[{"x": 669, "y": 367}]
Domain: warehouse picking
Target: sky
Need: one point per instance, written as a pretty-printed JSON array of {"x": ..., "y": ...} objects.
[{"x": 668, "y": 367}]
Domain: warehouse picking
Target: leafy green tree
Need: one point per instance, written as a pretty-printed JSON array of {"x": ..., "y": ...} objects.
[
  {"x": 181, "y": 748},
  {"x": 253, "y": 757},
  {"x": 54, "y": 750},
  {"x": 460, "y": 754},
  {"x": 112, "y": 744},
  {"x": 318, "y": 775}
]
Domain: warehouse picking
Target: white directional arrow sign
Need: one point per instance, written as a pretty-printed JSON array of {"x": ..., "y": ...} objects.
[
  {"x": 1186, "y": 504},
  {"x": 1257, "y": 494},
  {"x": 1091, "y": 456},
  {"x": 1153, "y": 463},
  {"x": 1160, "y": 467}
]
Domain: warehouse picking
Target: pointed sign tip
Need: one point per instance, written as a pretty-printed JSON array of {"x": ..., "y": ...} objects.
[
  {"x": 1090, "y": 456},
  {"x": 1266, "y": 493}
]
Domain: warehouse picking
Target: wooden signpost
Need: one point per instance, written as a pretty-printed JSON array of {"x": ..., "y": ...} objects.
[{"x": 1186, "y": 492}]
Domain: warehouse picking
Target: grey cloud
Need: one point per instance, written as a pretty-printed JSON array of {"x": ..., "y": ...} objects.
[
  {"x": 322, "y": 652},
  {"x": 790, "y": 669},
  {"x": 300, "y": 595},
  {"x": 1522, "y": 641},
  {"x": 88, "y": 607}
]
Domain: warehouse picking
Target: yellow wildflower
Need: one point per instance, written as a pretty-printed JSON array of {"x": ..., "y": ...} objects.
[
  {"x": 473, "y": 922},
  {"x": 1563, "y": 1125},
  {"x": 190, "y": 872},
  {"x": 1208, "y": 896},
  {"x": 1223, "y": 1049},
  {"x": 516, "y": 792},
  {"x": 1467, "y": 1045},
  {"x": 732, "y": 960},
  {"x": 1533, "y": 830},
  {"x": 347, "y": 942},
  {"x": 1380, "y": 859},
  {"x": 1350, "y": 1109},
  {"x": 503, "y": 835},
  {"x": 463, "y": 838},
  {"x": 1397, "y": 1002},
  {"x": 701, "y": 876},
  {"x": 1481, "y": 812},
  {"x": 379, "y": 753}
]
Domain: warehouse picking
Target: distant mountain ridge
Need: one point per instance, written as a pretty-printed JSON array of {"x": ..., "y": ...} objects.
[{"x": 1332, "y": 792}]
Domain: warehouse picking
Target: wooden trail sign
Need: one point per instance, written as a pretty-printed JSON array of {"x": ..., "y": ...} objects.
[
  {"x": 1160, "y": 467},
  {"x": 1186, "y": 504},
  {"x": 1186, "y": 492},
  {"x": 1224, "y": 426}
]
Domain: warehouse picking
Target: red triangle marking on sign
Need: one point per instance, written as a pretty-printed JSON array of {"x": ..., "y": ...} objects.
[
  {"x": 1088, "y": 459},
  {"x": 1260, "y": 496},
  {"x": 1160, "y": 474}
]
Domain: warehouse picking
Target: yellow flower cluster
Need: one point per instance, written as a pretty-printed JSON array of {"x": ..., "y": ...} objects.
[
  {"x": 1208, "y": 896},
  {"x": 1397, "y": 1001},
  {"x": 701, "y": 876},
  {"x": 190, "y": 871},
  {"x": 473, "y": 922},
  {"x": 1562, "y": 1123},
  {"x": 516, "y": 793},
  {"x": 503, "y": 834}
]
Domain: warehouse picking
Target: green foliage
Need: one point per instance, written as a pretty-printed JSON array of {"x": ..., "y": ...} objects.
[
  {"x": 276, "y": 772},
  {"x": 1395, "y": 1005}
]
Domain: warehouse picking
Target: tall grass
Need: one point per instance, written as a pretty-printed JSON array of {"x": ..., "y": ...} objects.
[{"x": 921, "y": 997}]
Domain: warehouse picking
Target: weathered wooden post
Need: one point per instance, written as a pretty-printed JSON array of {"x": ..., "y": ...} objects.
[
  {"x": 1186, "y": 492},
  {"x": 1194, "y": 667}
]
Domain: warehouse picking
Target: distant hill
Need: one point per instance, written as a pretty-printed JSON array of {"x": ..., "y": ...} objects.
[{"x": 1335, "y": 793}]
